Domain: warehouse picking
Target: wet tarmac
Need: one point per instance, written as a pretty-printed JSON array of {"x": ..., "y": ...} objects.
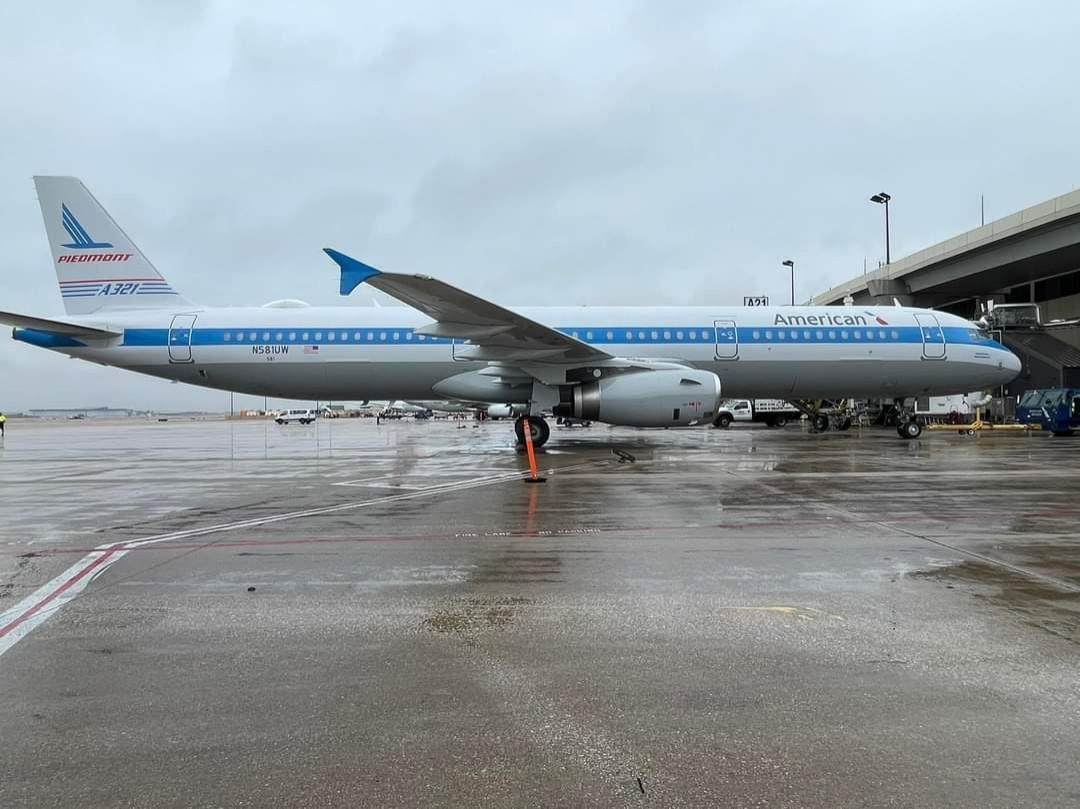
[{"x": 240, "y": 614}]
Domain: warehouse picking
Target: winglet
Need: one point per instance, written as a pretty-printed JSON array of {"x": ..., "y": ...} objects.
[{"x": 353, "y": 272}]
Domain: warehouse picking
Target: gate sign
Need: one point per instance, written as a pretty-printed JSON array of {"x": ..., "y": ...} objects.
[{"x": 755, "y": 300}]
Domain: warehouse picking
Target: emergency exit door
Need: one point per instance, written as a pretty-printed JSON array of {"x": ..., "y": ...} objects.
[
  {"x": 933, "y": 337},
  {"x": 727, "y": 340},
  {"x": 180, "y": 338}
]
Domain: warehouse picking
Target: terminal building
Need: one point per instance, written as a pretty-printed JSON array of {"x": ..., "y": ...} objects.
[{"x": 1021, "y": 273}]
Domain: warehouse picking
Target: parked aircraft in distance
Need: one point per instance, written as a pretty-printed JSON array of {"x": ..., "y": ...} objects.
[{"x": 646, "y": 366}]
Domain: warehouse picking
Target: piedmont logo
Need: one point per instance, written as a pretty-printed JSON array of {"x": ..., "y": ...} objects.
[{"x": 81, "y": 240}]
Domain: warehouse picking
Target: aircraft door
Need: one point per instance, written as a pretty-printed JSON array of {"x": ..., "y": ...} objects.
[
  {"x": 727, "y": 340},
  {"x": 180, "y": 338},
  {"x": 933, "y": 337}
]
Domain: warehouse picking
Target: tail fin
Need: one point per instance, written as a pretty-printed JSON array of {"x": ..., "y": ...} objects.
[{"x": 97, "y": 265}]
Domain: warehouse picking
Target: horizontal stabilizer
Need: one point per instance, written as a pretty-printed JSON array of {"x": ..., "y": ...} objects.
[{"x": 54, "y": 326}]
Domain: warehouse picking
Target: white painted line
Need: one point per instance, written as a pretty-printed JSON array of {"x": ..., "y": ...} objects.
[{"x": 18, "y": 621}]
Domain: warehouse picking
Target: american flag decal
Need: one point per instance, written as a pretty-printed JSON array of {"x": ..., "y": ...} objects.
[{"x": 311, "y": 349}]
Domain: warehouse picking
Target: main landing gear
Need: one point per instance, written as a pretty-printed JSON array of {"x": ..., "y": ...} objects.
[
  {"x": 538, "y": 429},
  {"x": 906, "y": 424}
]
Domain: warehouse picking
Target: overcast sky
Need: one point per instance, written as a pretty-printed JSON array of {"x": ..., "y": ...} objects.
[{"x": 582, "y": 153}]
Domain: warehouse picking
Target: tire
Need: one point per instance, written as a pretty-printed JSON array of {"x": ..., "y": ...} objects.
[
  {"x": 280, "y": 421},
  {"x": 845, "y": 424},
  {"x": 1063, "y": 433},
  {"x": 821, "y": 423},
  {"x": 539, "y": 429},
  {"x": 780, "y": 421},
  {"x": 911, "y": 429},
  {"x": 723, "y": 421}
]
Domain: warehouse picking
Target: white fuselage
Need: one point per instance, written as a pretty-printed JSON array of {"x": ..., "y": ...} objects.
[{"x": 374, "y": 353}]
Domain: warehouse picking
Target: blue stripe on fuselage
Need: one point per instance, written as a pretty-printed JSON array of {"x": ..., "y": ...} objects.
[{"x": 602, "y": 336}]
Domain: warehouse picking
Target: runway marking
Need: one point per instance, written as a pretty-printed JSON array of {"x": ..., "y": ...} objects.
[{"x": 18, "y": 621}]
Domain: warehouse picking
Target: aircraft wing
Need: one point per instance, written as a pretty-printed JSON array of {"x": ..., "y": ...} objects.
[
  {"x": 54, "y": 326},
  {"x": 494, "y": 332}
]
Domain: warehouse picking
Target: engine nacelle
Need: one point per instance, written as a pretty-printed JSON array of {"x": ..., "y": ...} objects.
[
  {"x": 675, "y": 398},
  {"x": 504, "y": 411}
]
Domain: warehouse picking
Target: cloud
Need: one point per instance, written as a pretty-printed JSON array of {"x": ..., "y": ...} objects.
[{"x": 602, "y": 153}]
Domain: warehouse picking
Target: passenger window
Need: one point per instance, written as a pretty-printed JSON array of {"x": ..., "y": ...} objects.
[
  {"x": 279, "y": 336},
  {"x": 253, "y": 336},
  {"x": 331, "y": 336},
  {"x": 832, "y": 334},
  {"x": 678, "y": 335},
  {"x": 782, "y": 334},
  {"x": 629, "y": 335},
  {"x": 843, "y": 334},
  {"x": 292, "y": 335},
  {"x": 371, "y": 337},
  {"x": 318, "y": 335},
  {"x": 857, "y": 334},
  {"x": 757, "y": 334},
  {"x": 794, "y": 334},
  {"x": 610, "y": 336},
  {"x": 768, "y": 334},
  {"x": 304, "y": 336},
  {"x": 227, "y": 337},
  {"x": 266, "y": 337},
  {"x": 693, "y": 335},
  {"x": 654, "y": 335},
  {"x": 397, "y": 335},
  {"x": 667, "y": 335},
  {"x": 408, "y": 335},
  {"x": 819, "y": 334},
  {"x": 382, "y": 336}
]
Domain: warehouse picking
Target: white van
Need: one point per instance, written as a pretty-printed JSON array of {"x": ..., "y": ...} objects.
[{"x": 304, "y": 416}]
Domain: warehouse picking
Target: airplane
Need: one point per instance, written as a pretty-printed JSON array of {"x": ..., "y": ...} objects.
[{"x": 646, "y": 366}]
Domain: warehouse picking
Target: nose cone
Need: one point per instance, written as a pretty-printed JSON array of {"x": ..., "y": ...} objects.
[{"x": 1010, "y": 366}]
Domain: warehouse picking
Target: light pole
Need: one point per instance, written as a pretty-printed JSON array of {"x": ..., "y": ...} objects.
[
  {"x": 883, "y": 199},
  {"x": 791, "y": 264}
]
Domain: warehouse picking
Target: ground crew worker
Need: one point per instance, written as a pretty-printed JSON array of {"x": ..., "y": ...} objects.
[{"x": 3, "y": 419}]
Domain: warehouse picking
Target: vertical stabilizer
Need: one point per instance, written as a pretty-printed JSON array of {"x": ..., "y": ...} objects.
[{"x": 97, "y": 265}]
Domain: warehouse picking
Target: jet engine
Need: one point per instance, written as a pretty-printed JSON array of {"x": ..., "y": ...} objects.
[{"x": 663, "y": 398}]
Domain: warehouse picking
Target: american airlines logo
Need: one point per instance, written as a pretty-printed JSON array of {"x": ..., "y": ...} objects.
[{"x": 82, "y": 240}]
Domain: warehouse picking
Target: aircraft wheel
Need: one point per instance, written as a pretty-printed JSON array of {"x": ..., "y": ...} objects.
[
  {"x": 910, "y": 429},
  {"x": 821, "y": 423},
  {"x": 538, "y": 429}
]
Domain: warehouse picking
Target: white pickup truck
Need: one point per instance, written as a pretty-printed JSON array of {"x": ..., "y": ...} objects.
[{"x": 774, "y": 412}]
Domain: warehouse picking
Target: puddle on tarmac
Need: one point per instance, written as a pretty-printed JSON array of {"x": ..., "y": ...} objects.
[
  {"x": 467, "y": 618},
  {"x": 1034, "y": 602}
]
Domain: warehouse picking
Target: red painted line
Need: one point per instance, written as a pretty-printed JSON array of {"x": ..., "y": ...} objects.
[
  {"x": 4, "y": 630},
  {"x": 948, "y": 519},
  {"x": 107, "y": 280}
]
